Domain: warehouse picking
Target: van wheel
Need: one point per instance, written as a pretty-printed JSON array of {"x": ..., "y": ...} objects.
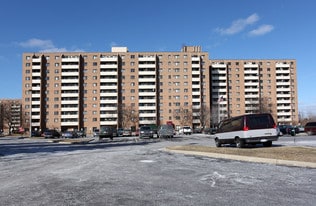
[
  {"x": 267, "y": 144},
  {"x": 217, "y": 143},
  {"x": 239, "y": 143}
]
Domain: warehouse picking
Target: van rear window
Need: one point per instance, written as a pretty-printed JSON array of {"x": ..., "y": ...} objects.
[{"x": 260, "y": 122}]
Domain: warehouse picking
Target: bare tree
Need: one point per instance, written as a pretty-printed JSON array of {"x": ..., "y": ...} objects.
[
  {"x": 183, "y": 115},
  {"x": 6, "y": 115},
  {"x": 204, "y": 114},
  {"x": 129, "y": 116}
]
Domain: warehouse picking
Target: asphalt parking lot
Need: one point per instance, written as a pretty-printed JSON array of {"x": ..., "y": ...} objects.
[{"x": 140, "y": 172}]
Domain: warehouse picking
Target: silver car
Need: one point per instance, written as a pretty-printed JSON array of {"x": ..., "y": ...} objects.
[{"x": 165, "y": 131}]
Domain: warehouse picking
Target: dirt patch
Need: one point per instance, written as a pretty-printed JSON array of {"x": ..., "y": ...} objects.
[{"x": 303, "y": 154}]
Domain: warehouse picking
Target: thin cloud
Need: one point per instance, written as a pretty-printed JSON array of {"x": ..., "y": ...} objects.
[
  {"x": 44, "y": 45},
  {"x": 239, "y": 25},
  {"x": 262, "y": 30}
]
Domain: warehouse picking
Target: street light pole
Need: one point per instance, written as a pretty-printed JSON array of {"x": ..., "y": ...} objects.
[{"x": 30, "y": 120}]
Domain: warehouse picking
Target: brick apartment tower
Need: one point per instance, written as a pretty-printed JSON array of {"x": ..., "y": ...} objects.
[{"x": 84, "y": 90}]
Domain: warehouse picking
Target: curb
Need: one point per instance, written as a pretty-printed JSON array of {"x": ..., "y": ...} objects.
[{"x": 247, "y": 159}]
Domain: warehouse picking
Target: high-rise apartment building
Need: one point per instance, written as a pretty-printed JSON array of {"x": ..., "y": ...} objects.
[{"x": 84, "y": 90}]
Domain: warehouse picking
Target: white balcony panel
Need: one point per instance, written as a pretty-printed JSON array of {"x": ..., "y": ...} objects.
[
  {"x": 36, "y": 81},
  {"x": 109, "y": 73},
  {"x": 36, "y": 117},
  {"x": 69, "y": 116},
  {"x": 108, "y": 66},
  {"x": 109, "y": 59},
  {"x": 147, "y": 80},
  {"x": 147, "y": 115},
  {"x": 251, "y": 77},
  {"x": 251, "y": 89},
  {"x": 147, "y": 121},
  {"x": 69, "y": 109},
  {"x": 219, "y": 65},
  {"x": 108, "y": 94},
  {"x": 36, "y": 109},
  {"x": 36, "y": 74},
  {"x": 70, "y": 102},
  {"x": 73, "y": 74},
  {"x": 36, "y": 95},
  {"x": 146, "y": 108},
  {"x": 196, "y": 79},
  {"x": 283, "y": 83},
  {"x": 146, "y": 94},
  {"x": 70, "y": 88},
  {"x": 36, "y": 59},
  {"x": 36, "y": 102},
  {"x": 114, "y": 80},
  {"x": 108, "y": 123},
  {"x": 219, "y": 84},
  {"x": 196, "y": 86},
  {"x": 251, "y": 83},
  {"x": 251, "y": 65},
  {"x": 195, "y": 58},
  {"x": 70, "y": 81},
  {"x": 196, "y": 65},
  {"x": 196, "y": 107},
  {"x": 196, "y": 93},
  {"x": 146, "y": 72},
  {"x": 71, "y": 59},
  {"x": 252, "y": 96},
  {"x": 153, "y": 58},
  {"x": 70, "y": 66},
  {"x": 251, "y": 72},
  {"x": 36, "y": 124},
  {"x": 284, "y": 107},
  {"x": 108, "y": 101},
  {"x": 283, "y": 71},
  {"x": 69, "y": 95},
  {"x": 109, "y": 87},
  {"x": 251, "y": 102},
  {"x": 283, "y": 89},
  {"x": 283, "y": 95},
  {"x": 283, "y": 101},
  {"x": 196, "y": 100},
  {"x": 108, "y": 108},
  {"x": 147, "y": 86},
  {"x": 283, "y": 78},
  {"x": 147, "y": 100},
  {"x": 282, "y": 65},
  {"x": 196, "y": 72},
  {"x": 147, "y": 66},
  {"x": 108, "y": 115},
  {"x": 36, "y": 67},
  {"x": 75, "y": 124}
]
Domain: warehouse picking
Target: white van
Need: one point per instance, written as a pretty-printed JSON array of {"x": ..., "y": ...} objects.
[{"x": 247, "y": 129}]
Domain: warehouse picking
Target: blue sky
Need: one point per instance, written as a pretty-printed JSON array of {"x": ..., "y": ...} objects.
[{"x": 227, "y": 29}]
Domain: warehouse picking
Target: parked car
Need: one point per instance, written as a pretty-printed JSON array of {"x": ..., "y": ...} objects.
[
  {"x": 120, "y": 132},
  {"x": 36, "y": 134},
  {"x": 69, "y": 134},
  {"x": 96, "y": 133},
  {"x": 165, "y": 130},
  {"x": 106, "y": 132},
  {"x": 185, "y": 130},
  {"x": 146, "y": 131},
  {"x": 249, "y": 128},
  {"x": 127, "y": 132},
  {"x": 310, "y": 128},
  {"x": 51, "y": 134},
  {"x": 287, "y": 129},
  {"x": 81, "y": 133}
]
